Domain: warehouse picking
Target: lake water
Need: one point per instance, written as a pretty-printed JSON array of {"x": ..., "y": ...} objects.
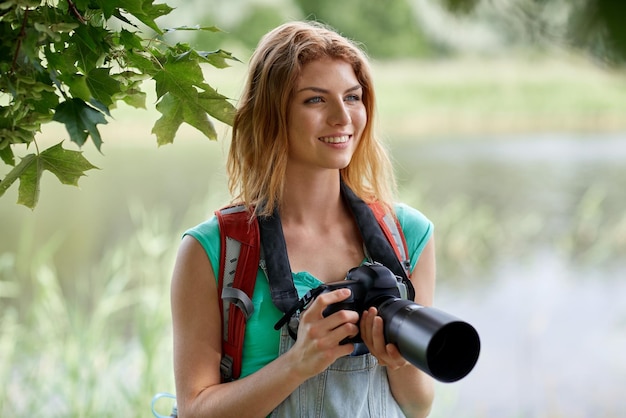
[{"x": 550, "y": 307}]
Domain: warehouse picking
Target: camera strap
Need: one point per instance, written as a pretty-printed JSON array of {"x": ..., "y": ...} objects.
[
  {"x": 282, "y": 288},
  {"x": 376, "y": 242}
]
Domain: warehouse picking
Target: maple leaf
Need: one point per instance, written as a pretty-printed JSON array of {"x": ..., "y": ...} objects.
[
  {"x": 68, "y": 166},
  {"x": 80, "y": 120},
  {"x": 185, "y": 97},
  {"x": 102, "y": 86},
  {"x": 177, "y": 110},
  {"x": 146, "y": 12}
]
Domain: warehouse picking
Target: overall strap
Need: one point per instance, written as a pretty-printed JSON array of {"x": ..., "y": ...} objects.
[{"x": 239, "y": 261}]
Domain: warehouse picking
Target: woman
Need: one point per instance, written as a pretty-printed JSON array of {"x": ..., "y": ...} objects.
[{"x": 303, "y": 128}]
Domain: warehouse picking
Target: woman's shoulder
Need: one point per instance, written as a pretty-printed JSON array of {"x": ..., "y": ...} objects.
[
  {"x": 411, "y": 218},
  {"x": 208, "y": 228},
  {"x": 416, "y": 228}
]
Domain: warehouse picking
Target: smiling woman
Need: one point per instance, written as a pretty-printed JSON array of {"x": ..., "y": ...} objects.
[{"x": 305, "y": 168}]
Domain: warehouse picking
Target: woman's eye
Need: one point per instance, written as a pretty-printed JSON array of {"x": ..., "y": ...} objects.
[
  {"x": 316, "y": 99},
  {"x": 353, "y": 98}
]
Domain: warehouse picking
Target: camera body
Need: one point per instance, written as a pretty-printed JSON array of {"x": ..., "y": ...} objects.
[
  {"x": 434, "y": 341},
  {"x": 370, "y": 285}
]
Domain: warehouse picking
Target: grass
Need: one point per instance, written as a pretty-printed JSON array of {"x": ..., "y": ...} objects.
[
  {"x": 100, "y": 350},
  {"x": 476, "y": 96}
]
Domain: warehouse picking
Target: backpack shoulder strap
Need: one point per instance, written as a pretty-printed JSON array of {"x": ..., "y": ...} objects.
[
  {"x": 239, "y": 262},
  {"x": 393, "y": 231}
]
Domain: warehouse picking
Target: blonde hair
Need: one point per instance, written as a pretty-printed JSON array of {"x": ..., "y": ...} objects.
[{"x": 258, "y": 153}]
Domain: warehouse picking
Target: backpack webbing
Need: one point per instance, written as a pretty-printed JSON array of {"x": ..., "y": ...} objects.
[
  {"x": 239, "y": 263},
  {"x": 239, "y": 260}
]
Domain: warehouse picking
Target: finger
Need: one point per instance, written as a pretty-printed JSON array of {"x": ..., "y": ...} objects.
[
  {"x": 366, "y": 327},
  {"x": 395, "y": 357},
  {"x": 378, "y": 337},
  {"x": 325, "y": 299}
]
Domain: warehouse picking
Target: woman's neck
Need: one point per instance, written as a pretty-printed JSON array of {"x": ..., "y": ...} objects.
[{"x": 312, "y": 199}]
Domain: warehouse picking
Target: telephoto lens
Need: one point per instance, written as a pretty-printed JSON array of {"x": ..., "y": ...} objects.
[{"x": 432, "y": 340}]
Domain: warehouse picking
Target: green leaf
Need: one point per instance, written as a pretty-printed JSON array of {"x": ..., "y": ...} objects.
[
  {"x": 108, "y": 7},
  {"x": 135, "y": 98},
  {"x": 142, "y": 62},
  {"x": 216, "y": 105},
  {"x": 178, "y": 76},
  {"x": 6, "y": 154},
  {"x": 165, "y": 128},
  {"x": 176, "y": 111},
  {"x": 217, "y": 58},
  {"x": 15, "y": 173},
  {"x": 28, "y": 192},
  {"x": 194, "y": 28},
  {"x": 90, "y": 46},
  {"x": 78, "y": 86},
  {"x": 130, "y": 40},
  {"x": 102, "y": 86},
  {"x": 68, "y": 166},
  {"x": 80, "y": 120},
  {"x": 146, "y": 12}
]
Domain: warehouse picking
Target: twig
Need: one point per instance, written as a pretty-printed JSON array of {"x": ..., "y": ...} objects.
[
  {"x": 18, "y": 45},
  {"x": 75, "y": 12}
]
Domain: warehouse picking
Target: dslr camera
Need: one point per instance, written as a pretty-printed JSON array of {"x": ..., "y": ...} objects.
[{"x": 434, "y": 341}]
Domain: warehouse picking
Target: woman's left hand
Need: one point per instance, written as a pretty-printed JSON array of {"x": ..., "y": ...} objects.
[{"x": 373, "y": 336}]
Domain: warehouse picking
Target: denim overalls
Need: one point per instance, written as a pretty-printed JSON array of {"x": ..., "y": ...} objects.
[{"x": 353, "y": 386}]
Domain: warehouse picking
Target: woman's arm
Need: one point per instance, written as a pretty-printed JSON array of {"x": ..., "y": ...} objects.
[
  {"x": 411, "y": 388},
  {"x": 197, "y": 346}
]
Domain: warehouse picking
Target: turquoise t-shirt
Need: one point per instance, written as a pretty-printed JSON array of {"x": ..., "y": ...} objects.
[{"x": 261, "y": 344}]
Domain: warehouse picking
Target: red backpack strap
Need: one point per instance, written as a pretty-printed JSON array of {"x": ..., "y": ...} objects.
[
  {"x": 239, "y": 262},
  {"x": 393, "y": 232}
]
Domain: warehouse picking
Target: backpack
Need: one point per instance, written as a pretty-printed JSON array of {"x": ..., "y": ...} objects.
[{"x": 241, "y": 255}]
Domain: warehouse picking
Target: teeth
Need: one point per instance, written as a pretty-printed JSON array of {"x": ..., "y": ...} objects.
[{"x": 335, "y": 139}]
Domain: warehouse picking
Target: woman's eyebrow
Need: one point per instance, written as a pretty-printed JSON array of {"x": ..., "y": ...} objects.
[{"x": 325, "y": 91}]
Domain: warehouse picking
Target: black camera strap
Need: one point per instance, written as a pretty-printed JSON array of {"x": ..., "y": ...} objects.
[
  {"x": 377, "y": 245},
  {"x": 282, "y": 288}
]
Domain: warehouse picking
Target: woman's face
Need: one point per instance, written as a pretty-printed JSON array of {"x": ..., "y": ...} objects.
[{"x": 326, "y": 116}]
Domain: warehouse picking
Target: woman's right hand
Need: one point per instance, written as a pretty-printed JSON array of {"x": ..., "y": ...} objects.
[{"x": 318, "y": 343}]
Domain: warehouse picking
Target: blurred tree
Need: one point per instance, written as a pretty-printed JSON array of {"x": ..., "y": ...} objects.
[
  {"x": 386, "y": 28},
  {"x": 596, "y": 26},
  {"x": 600, "y": 27},
  {"x": 243, "y": 22},
  {"x": 256, "y": 22}
]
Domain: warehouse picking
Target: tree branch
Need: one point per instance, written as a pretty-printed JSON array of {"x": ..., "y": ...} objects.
[{"x": 75, "y": 12}]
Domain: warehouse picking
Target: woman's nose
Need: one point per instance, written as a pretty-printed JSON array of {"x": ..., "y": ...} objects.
[{"x": 339, "y": 114}]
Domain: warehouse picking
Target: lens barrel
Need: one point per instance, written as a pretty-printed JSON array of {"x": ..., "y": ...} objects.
[{"x": 434, "y": 341}]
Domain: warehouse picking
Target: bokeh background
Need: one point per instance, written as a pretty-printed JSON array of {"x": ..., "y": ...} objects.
[{"x": 506, "y": 125}]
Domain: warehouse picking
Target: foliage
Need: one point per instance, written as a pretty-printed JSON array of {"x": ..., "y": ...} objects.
[
  {"x": 257, "y": 20},
  {"x": 386, "y": 28},
  {"x": 595, "y": 26},
  {"x": 73, "y": 61}
]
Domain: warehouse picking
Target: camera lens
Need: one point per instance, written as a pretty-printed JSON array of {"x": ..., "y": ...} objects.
[{"x": 432, "y": 340}]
